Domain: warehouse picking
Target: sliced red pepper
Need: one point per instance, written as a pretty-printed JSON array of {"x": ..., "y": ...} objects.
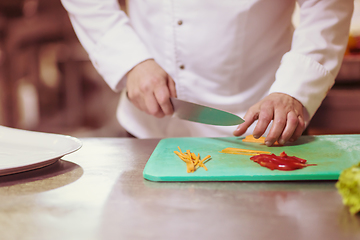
[
  {"x": 283, "y": 154},
  {"x": 268, "y": 164},
  {"x": 282, "y": 162}
]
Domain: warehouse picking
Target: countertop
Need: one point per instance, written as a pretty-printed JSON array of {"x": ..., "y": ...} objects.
[{"x": 98, "y": 192}]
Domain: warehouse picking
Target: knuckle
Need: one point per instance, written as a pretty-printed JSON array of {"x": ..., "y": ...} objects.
[
  {"x": 156, "y": 81},
  {"x": 163, "y": 99},
  {"x": 293, "y": 120},
  {"x": 265, "y": 116},
  {"x": 149, "y": 84},
  {"x": 301, "y": 124},
  {"x": 268, "y": 104},
  {"x": 133, "y": 95},
  {"x": 144, "y": 88},
  {"x": 280, "y": 121},
  {"x": 152, "y": 81}
]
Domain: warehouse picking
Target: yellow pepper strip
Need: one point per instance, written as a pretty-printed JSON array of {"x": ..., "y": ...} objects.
[
  {"x": 192, "y": 161},
  {"x": 243, "y": 151},
  {"x": 203, "y": 160},
  {"x": 250, "y": 138}
]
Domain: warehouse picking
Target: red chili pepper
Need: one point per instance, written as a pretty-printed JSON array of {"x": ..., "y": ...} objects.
[
  {"x": 282, "y": 162},
  {"x": 283, "y": 154},
  {"x": 268, "y": 164}
]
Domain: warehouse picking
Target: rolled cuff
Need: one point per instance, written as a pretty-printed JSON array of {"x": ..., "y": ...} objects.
[{"x": 304, "y": 79}]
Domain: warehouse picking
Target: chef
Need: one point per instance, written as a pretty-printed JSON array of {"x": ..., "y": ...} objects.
[{"x": 241, "y": 56}]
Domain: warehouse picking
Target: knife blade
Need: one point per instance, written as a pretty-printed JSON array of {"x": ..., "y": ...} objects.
[{"x": 203, "y": 114}]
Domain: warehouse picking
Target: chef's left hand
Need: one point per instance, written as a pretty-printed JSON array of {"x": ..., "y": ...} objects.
[{"x": 286, "y": 113}]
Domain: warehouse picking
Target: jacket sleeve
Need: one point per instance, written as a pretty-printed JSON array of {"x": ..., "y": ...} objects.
[
  {"x": 106, "y": 34},
  {"x": 308, "y": 70}
]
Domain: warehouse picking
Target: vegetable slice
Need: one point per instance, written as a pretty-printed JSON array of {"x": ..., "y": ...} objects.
[
  {"x": 250, "y": 138},
  {"x": 243, "y": 151},
  {"x": 192, "y": 161},
  {"x": 282, "y": 162}
]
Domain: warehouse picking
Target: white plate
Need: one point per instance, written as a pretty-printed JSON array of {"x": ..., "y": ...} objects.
[{"x": 22, "y": 150}]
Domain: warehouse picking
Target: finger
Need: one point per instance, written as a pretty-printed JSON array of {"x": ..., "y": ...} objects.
[
  {"x": 152, "y": 106},
  {"x": 265, "y": 116},
  {"x": 299, "y": 130},
  {"x": 291, "y": 125},
  {"x": 172, "y": 88},
  {"x": 277, "y": 127},
  {"x": 162, "y": 96},
  {"x": 250, "y": 117}
]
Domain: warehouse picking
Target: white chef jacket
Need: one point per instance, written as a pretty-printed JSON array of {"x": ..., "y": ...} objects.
[{"x": 226, "y": 54}]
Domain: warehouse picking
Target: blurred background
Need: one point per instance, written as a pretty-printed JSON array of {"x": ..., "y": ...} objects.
[{"x": 48, "y": 84}]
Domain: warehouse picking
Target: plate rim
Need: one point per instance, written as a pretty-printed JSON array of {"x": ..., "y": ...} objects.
[{"x": 75, "y": 145}]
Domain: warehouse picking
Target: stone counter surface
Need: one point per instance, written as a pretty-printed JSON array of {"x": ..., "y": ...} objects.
[{"x": 99, "y": 192}]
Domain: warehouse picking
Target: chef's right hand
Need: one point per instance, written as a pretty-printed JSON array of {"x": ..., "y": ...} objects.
[{"x": 149, "y": 88}]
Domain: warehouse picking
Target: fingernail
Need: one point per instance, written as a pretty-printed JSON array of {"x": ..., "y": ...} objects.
[
  {"x": 291, "y": 140},
  {"x": 256, "y": 136},
  {"x": 281, "y": 142},
  {"x": 268, "y": 143}
]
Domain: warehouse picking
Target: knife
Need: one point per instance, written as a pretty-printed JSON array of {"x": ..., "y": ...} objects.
[{"x": 202, "y": 114}]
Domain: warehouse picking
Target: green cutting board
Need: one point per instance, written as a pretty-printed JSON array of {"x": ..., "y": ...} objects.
[{"x": 331, "y": 153}]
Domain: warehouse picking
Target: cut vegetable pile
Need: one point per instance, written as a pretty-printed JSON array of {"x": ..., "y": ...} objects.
[{"x": 192, "y": 161}]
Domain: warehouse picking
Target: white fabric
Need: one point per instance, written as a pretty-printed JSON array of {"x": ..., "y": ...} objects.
[{"x": 234, "y": 52}]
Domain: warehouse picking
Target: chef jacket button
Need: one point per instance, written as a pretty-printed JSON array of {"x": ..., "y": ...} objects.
[
  {"x": 180, "y": 22},
  {"x": 181, "y": 66}
]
